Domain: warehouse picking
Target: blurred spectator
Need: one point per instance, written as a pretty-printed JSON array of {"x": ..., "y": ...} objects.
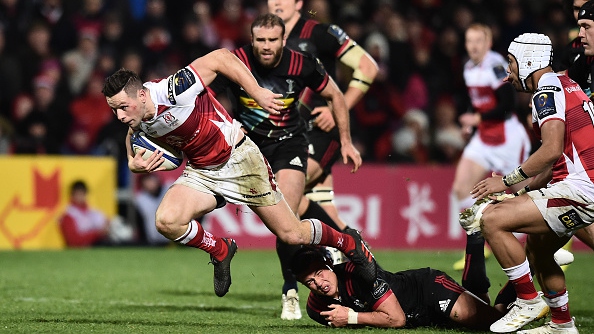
[
  {"x": 33, "y": 135},
  {"x": 448, "y": 141},
  {"x": 410, "y": 142},
  {"x": 34, "y": 52},
  {"x": 191, "y": 45},
  {"x": 43, "y": 127},
  {"x": 80, "y": 62},
  {"x": 147, "y": 201},
  {"x": 81, "y": 225},
  {"x": 63, "y": 30},
  {"x": 232, "y": 23},
  {"x": 382, "y": 107},
  {"x": 10, "y": 77},
  {"x": 90, "y": 114},
  {"x": 202, "y": 10}
]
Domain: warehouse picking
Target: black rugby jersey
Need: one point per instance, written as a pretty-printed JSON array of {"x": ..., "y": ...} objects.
[
  {"x": 324, "y": 41},
  {"x": 294, "y": 73},
  {"x": 579, "y": 66},
  {"x": 413, "y": 288}
]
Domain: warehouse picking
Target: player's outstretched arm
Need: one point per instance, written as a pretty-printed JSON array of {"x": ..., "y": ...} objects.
[
  {"x": 224, "y": 62},
  {"x": 341, "y": 117}
]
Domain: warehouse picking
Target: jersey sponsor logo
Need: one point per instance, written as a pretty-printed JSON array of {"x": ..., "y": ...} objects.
[
  {"x": 574, "y": 88},
  {"x": 544, "y": 103},
  {"x": 380, "y": 287},
  {"x": 571, "y": 219},
  {"x": 182, "y": 80},
  {"x": 443, "y": 304},
  {"x": 296, "y": 162},
  {"x": 338, "y": 33},
  {"x": 170, "y": 95},
  {"x": 500, "y": 72},
  {"x": 553, "y": 88},
  {"x": 252, "y": 104}
]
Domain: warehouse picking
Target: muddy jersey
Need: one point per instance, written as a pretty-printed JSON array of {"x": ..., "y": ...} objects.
[
  {"x": 324, "y": 41},
  {"x": 190, "y": 119},
  {"x": 294, "y": 73},
  {"x": 419, "y": 292},
  {"x": 579, "y": 66},
  {"x": 560, "y": 98},
  {"x": 482, "y": 80}
]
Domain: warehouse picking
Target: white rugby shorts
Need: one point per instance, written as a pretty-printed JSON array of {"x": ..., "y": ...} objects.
[
  {"x": 564, "y": 207},
  {"x": 246, "y": 178},
  {"x": 503, "y": 158}
]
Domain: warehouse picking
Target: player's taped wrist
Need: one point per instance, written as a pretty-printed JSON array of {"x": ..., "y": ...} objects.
[
  {"x": 522, "y": 191},
  {"x": 516, "y": 176},
  {"x": 352, "y": 317}
]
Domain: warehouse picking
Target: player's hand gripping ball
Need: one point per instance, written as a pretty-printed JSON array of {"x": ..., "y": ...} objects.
[{"x": 173, "y": 157}]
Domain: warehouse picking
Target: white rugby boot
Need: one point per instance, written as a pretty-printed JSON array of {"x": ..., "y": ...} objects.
[
  {"x": 291, "y": 310},
  {"x": 521, "y": 312},
  {"x": 470, "y": 218}
]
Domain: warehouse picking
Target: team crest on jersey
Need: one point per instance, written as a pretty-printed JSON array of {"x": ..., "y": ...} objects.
[
  {"x": 500, "y": 72},
  {"x": 544, "y": 103},
  {"x": 337, "y": 32},
  {"x": 169, "y": 119},
  {"x": 291, "y": 84},
  {"x": 303, "y": 46},
  {"x": 571, "y": 219},
  {"x": 380, "y": 287}
]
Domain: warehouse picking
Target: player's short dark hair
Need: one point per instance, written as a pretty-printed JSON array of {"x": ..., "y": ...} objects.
[
  {"x": 268, "y": 20},
  {"x": 309, "y": 259},
  {"x": 122, "y": 79}
]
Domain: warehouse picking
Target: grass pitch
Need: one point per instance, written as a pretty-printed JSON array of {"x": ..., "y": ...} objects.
[{"x": 170, "y": 290}]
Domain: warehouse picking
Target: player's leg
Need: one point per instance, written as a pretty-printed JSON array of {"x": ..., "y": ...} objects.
[
  {"x": 497, "y": 224},
  {"x": 474, "y": 276},
  {"x": 175, "y": 219},
  {"x": 291, "y": 182},
  {"x": 280, "y": 220},
  {"x": 467, "y": 174},
  {"x": 472, "y": 312}
]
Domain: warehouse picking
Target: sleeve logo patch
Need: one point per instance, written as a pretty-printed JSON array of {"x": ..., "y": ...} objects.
[
  {"x": 182, "y": 80},
  {"x": 380, "y": 287},
  {"x": 544, "y": 103},
  {"x": 571, "y": 219},
  {"x": 500, "y": 72},
  {"x": 337, "y": 32}
]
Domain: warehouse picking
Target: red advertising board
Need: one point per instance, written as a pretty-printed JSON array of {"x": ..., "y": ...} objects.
[{"x": 396, "y": 207}]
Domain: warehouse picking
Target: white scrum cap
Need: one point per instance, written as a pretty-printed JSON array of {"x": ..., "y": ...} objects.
[{"x": 532, "y": 52}]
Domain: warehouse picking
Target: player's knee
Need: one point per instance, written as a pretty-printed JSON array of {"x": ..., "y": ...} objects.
[
  {"x": 166, "y": 225},
  {"x": 488, "y": 223}
]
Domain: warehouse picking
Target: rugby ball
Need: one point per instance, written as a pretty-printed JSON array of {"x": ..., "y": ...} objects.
[{"x": 140, "y": 140}]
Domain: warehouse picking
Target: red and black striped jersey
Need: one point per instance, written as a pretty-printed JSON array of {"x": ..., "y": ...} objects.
[{"x": 290, "y": 77}]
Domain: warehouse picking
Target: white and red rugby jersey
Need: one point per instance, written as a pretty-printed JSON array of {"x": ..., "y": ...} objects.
[
  {"x": 559, "y": 97},
  {"x": 190, "y": 119},
  {"x": 482, "y": 80}
]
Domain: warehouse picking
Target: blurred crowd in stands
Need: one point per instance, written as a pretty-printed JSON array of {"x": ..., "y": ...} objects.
[{"x": 55, "y": 54}]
